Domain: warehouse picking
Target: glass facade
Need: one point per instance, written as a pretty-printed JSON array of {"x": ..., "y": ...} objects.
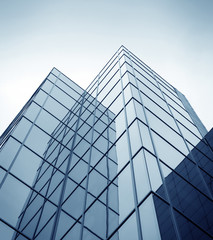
[{"x": 127, "y": 158}]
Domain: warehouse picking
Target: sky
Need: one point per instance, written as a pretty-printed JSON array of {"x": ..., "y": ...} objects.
[{"x": 175, "y": 38}]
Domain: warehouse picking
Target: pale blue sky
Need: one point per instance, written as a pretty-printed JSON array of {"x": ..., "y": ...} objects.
[{"x": 173, "y": 37}]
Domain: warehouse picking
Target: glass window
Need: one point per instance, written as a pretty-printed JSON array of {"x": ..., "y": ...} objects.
[
  {"x": 128, "y": 230},
  {"x": 166, "y": 152},
  {"x": 166, "y": 132},
  {"x": 12, "y": 199},
  {"x": 165, "y": 222},
  {"x": 74, "y": 204},
  {"x": 120, "y": 123},
  {"x": 22, "y": 129},
  {"x": 112, "y": 94},
  {"x": 135, "y": 140},
  {"x": 52, "y": 77},
  {"x": 8, "y": 152},
  {"x": 26, "y": 160},
  {"x": 65, "y": 222},
  {"x": 40, "y": 97},
  {"x": 96, "y": 219},
  {"x": 122, "y": 149},
  {"x": 139, "y": 111},
  {"x": 46, "y": 121},
  {"x": 130, "y": 112},
  {"x": 69, "y": 90},
  {"x": 154, "y": 171},
  {"x": 55, "y": 108},
  {"x": 149, "y": 222},
  {"x": 141, "y": 176},
  {"x": 164, "y": 115},
  {"x": 117, "y": 105},
  {"x": 185, "y": 122},
  {"x": 62, "y": 97},
  {"x": 6, "y": 231},
  {"x": 145, "y": 135},
  {"x": 37, "y": 140},
  {"x": 125, "y": 193},
  {"x": 151, "y": 99},
  {"x": 188, "y": 135},
  {"x": 127, "y": 93},
  {"x": 32, "y": 111},
  {"x": 47, "y": 86}
]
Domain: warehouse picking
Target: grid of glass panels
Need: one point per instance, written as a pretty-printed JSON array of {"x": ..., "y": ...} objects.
[{"x": 121, "y": 160}]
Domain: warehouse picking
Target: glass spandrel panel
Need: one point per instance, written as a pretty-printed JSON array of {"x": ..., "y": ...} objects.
[
  {"x": 13, "y": 196},
  {"x": 141, "y": 176},
  {"x": 22, "y": 129},
  {"x": 149, "y": 222},
  {"x": 8, "y": 152},
  {"x": 26, "y": 165}
]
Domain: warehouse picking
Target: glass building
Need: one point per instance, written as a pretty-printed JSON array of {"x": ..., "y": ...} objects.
[{"x": 127, "y": 158}]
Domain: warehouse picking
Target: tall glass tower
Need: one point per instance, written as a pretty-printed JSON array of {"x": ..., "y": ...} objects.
[{"x": 127, "y": 158}]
